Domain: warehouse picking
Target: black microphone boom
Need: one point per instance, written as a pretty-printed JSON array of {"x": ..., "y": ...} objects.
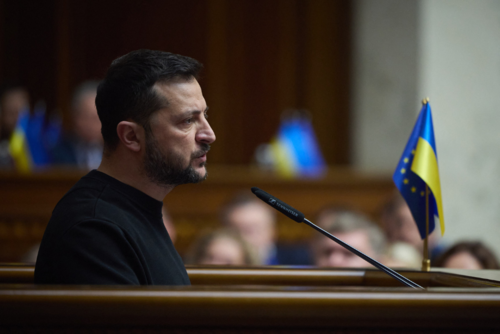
[{"x": 298, "y": 216}]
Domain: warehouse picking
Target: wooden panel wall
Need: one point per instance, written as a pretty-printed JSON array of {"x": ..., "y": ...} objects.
[{"x": 261, "y": 57}]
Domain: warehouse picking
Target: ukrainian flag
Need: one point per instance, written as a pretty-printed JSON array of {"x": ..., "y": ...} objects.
[
  {"x": 295, "y": 149},
  {"x": 18, "y": 144},
  {"x": 417, "y": 170}
]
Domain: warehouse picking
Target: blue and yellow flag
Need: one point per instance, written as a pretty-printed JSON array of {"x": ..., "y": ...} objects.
[
  {"x": 18, "y": 144},
  {"x": 295, "y": 149},
  {"x": 417, "y": 170}
]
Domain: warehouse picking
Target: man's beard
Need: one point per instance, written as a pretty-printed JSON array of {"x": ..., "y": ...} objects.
[{"x": 168, "y": 170}]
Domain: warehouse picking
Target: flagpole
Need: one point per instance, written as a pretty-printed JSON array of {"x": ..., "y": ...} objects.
[{"x": 426, "y": 262}]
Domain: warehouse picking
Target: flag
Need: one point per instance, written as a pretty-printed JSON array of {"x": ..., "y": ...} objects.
[
  {"x": 418, "y": 169},
  {"x": 34, "y": 136},
  {"x": 18, "y": 143},
  {"x": 295, "y": 149}
]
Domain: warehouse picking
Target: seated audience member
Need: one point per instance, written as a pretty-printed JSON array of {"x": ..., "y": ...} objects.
[
  {"x": 355, "y": 230},
  {"x": 256, "y": 222},
  {"x": 468, "y": 255},
  {"x": 220, "y": 247},
  {"x": 13, "y": 99},
  {"x": 402, "y": 255},
  {"x": 82, "y": 147},
  {"x": 399, "y": 226}
]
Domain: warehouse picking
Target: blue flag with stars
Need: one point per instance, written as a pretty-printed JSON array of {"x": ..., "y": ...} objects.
[{"x": 417, "y": 175}]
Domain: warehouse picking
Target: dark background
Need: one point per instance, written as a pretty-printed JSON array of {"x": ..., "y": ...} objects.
[{"x": 260, "y": 56}]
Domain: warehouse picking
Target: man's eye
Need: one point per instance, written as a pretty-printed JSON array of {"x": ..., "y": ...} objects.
[
  {"x": 189, "y": 121},
  {"x": 206, "y": 115}
]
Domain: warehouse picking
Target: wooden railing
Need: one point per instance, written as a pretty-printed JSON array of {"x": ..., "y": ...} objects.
[{"x": 264, "y": 300}]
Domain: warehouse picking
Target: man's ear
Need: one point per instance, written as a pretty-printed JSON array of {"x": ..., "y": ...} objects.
[{"x": 131, "y": 135}]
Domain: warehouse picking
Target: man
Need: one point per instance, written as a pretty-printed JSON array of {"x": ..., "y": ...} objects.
[
  {"x": 256, "y": 223},
  {"x": 355, "y": 230},
  {"x": 108, "y": 228},
  {"x": 399, "y": 226},
  {"x": 13, "y": 99},
  {"x": 82, "y": 148}
]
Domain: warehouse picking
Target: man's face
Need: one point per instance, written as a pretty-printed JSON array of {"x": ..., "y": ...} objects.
[
  {"x": 402, "y": 227},
  {"x": 86, "y": 123},
  {"x": 330, "y": 254},
  {"x": 180, "y": 136},
  {"x": 255, "y": 224}
]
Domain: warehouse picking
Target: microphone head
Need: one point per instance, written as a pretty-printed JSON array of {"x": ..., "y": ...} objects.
[{"x": 282, "y": 207}]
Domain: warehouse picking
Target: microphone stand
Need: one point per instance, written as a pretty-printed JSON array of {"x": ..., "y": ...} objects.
[
  {"x": 298, "y": 216},
  {"x": 365, "y": 257}
]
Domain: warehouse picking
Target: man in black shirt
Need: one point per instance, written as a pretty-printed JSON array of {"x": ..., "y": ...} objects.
[{"x": 108, "y": 228}]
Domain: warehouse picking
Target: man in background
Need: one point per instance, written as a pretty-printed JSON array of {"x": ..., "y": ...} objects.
[
  {"x": 13, "y": 99},
  {"x": 82, "y": 147},
  {"x": 352, "y": 228},
  {"x": 256, "y": 222},
  {"x": 399, "y": 226}
]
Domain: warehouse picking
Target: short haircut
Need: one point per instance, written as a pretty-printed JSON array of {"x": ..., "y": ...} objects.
[
  {"x": 345, "y": 221},
  {"x": 127, "y": 92},
  {"x": 86, "y": 87}
]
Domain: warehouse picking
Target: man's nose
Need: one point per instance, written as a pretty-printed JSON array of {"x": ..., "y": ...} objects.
[
  {"x": 206, "y": 134},
  {"x": 336, "y": 259}
]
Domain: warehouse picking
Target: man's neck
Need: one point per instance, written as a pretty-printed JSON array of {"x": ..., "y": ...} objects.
[{"x": 130, "y": 173}]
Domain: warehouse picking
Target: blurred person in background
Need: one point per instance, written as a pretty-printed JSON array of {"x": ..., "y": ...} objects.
[
  {"x": 256, "y": 222},
  {"x": 220, "y": 247},
  {"x": 83, "y": 145},
  {"x": 352, "y": 228},
  {"x": 468, "y": 255},
  {"x": 399, "y": 226},
  {"x": 13, "y": 99}
]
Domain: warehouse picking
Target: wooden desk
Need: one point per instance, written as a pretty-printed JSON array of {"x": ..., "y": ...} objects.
[
  {"x": 26, "y": 202},
  {"x": 296, "y": 276},
  {"x": 364, "y": 303}
]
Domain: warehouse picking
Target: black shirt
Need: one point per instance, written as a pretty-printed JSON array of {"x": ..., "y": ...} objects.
[{"x": 106, "y": 232}]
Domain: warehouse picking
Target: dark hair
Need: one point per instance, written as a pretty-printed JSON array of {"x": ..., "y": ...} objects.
[
  {"x": 477, "y": 249},
  {"x": 127, "y": 91}
]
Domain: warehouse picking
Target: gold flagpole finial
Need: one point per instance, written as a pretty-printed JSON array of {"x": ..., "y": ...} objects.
[{"x": 425, "y": 101}]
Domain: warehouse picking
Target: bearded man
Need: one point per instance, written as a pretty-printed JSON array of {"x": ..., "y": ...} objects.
[{"x": 108, "y": 228}]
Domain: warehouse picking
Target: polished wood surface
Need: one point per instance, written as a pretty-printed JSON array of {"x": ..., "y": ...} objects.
[
  {"x": 352, "y": 302},
  {"x": 295, "y": 276},
  {"x": 26, "y": 201}
]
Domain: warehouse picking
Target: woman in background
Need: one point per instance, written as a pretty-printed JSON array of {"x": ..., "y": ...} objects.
[
  {"x": 468, "y": 255},
  {"x": 220, "y": 247}
]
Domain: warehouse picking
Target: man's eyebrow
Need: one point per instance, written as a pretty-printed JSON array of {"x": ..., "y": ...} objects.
[{"x": 192, "y": 112}]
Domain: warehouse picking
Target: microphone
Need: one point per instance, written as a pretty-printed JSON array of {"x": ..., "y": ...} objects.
[
  {"x": 299, "y": 217},
  {"x": 282, "y": 207}
]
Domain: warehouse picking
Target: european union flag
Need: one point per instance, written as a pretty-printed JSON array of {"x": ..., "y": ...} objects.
[{"x": 418, "y": 169}]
